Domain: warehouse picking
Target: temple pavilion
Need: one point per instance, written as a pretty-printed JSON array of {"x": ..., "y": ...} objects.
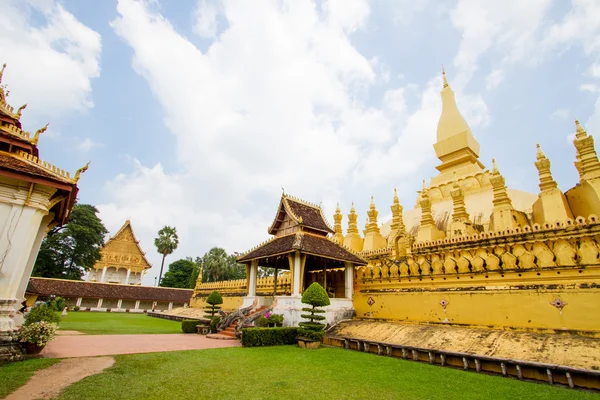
[
  {"x": 122, "y": 260},
  {"x": 302, "y": 246},
  {"x": 35, "y": 196}
]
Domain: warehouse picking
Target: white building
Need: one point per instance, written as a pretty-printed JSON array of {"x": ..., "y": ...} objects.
[{"x": 35, "y": 196}]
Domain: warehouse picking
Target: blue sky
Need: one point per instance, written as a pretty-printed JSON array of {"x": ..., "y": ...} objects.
[{"x": 195, "y": 113}]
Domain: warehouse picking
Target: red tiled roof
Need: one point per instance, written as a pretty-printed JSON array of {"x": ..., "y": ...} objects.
[
  {"x": 68, "y": 288},
  {"x": 305, "y": 243},
  {"x": 13, "y": 163}
]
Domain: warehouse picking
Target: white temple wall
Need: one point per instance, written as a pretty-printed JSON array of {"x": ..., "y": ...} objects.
[{"x": 22, "y": 208}]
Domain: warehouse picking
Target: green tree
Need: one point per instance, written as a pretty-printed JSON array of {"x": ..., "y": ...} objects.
[
  {"x": 67, "y": 251},
  {"x": 166, "y": 243},
  {"x": 315, "y": 296},
  {"x": 217, "y": 265},
  {"x": 180, "y": 274}
]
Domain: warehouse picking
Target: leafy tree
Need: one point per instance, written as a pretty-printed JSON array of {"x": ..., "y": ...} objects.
[
  {"x": 315, "y": 296},
  {"x": 166, "y": 243},
  {"x": 217, "y": 265},
  {"x": 67, "y": 251},
  {"x": 213, "y": 299},
  {"x": 181, "y": 274}
]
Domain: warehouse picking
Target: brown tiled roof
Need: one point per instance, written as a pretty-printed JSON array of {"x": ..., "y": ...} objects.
[
  {"x": 303, "y": 213},
  {"x": 14, "y": 163},
  {"x": 67, "y": 288},
  {"x": 305, "y": 243}
]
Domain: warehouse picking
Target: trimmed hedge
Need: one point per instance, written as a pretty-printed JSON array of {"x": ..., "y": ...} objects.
[
  {"x": 189, "y": 325},
  {"x": 252, "y": 337}
]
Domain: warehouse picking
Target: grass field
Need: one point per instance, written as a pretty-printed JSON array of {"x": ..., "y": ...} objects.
[
  {"x": 14, "y": 375},
  {"x": 98, "y": 323},
  {"x": 288, "y": 372}
]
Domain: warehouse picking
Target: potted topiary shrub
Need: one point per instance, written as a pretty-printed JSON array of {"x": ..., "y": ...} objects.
[
  {"x": 214, "y": 299},
  {"x": 36, "y": 335},
  {"x": 311, "y": 333}
]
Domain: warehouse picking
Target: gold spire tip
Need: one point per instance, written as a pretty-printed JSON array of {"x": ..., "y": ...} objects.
[
  {"x": 444, "y": 76},
  {"x": 539, "y": 153},
  {"x": 494, "y": 166},
  {"x": 579, "y": 131}
]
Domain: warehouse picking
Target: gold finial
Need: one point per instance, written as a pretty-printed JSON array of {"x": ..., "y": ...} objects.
[
  {"x": 580, "y": 132},
  {"x": 424, "y": 185},
  {"x": 81, "y": 170},
  {"x": 36, "y": 136},
  {"x": 539, "y": 153},
  {"x": 2, "y": 71},
  {"x": 20, "y": 110},
  {"x": 372, "y": 202},
  {"x": 444, "y": 76},
  {"x": 352, "y": 208},
  {"x": 337, "y": 209}
]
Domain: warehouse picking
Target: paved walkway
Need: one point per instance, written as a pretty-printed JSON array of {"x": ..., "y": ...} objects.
[{"x": 104, "y": 345}]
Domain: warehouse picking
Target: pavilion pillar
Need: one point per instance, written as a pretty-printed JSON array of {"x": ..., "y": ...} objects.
[
  {"x": 170, "y": 305},
  {"x": 297, "y": 274},
  {"x": 253, "y": 275},
  {"x": 325, "y": 278},
  {"x": 99, "y": 303},
  {"x": 119, "y": 303},
  {"x": 275, "y": 283},
  {"x": 103, "y": 274},
  {"x": 137, "y": 305},
  {"x": 79, "y": 300},
  {"x": 127, "y": 277},
  {"x": 349, "y": 286}
]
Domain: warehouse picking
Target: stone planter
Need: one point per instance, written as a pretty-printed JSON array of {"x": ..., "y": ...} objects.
[
  {"x": 308, "y": 344},
  {"x": 33, "y": 348}
]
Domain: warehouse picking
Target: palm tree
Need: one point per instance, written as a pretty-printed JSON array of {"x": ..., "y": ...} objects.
[{"x": 166, "y": 243}]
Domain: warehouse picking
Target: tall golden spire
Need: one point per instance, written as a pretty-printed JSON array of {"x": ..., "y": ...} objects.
[
  {"x": 397, "y": 220},
  {"x": 543, "y": 166},
  {"x": 338, "y": 236},
  {"x": 373, "y": 238},
  {"x": 352, "y": 217},
  {"x": 551, "y": 204},
  {"x": 456, "y": 147},
  {"x": 427, "y": 230},
  {"x": 459, "y": 211},
  {"x": 501, "y": 199},
  {"x": 587, "y": 160},
  {"x": 353, "y": 240}
]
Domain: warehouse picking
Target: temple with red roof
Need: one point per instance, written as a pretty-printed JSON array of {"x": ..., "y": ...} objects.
[
  {"x": 35, "y": 196},
  {"x": 301, "y": 244}
]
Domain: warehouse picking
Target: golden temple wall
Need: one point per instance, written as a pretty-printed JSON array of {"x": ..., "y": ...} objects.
[
  {"x": 234, "y": 291},
  {"x": 542, "y": 278}
]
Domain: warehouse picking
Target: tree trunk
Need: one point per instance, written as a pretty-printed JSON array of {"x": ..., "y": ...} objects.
[{"x": 162, "y": 264}]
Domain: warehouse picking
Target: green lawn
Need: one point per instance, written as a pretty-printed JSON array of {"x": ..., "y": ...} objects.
[
  {"x": 288, "y": 372},
  {"x": 99, "y": 323},
  {"x": 14, "y": 375}
]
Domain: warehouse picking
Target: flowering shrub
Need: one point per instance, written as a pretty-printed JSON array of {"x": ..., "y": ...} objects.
[
  {"x": 269, "y": 318},
  {"x": 38, "y": 333}
]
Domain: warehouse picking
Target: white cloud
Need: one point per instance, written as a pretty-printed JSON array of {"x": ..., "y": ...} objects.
[
  {"x": 206, "y": 14},
  {"x": 88, "y": 144},
  {"x": 509, "y": 26},
  {"x": 49, "y": 65},
  {"x": 494, "y": 79},
  {"x": 589, "y": 87},
  {"x": 561, "y": 113},
  {"x": 276, "y": 100}
]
